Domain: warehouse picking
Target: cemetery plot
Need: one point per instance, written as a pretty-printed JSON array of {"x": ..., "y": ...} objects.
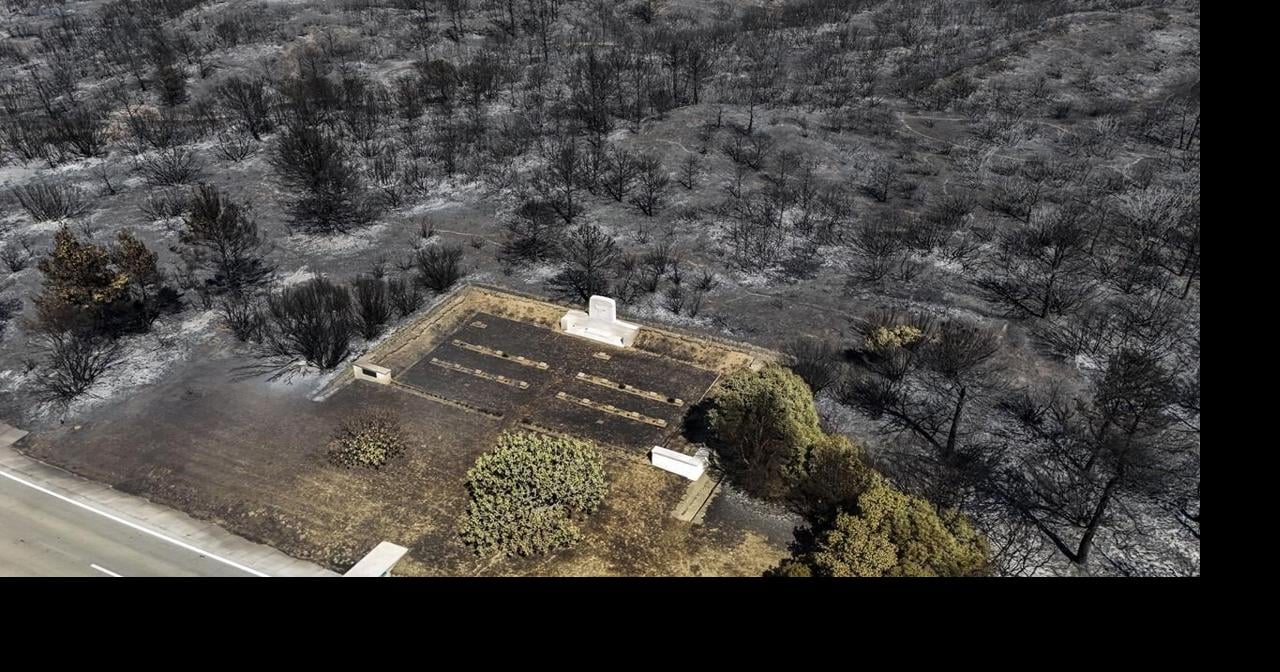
[
  {"x": 611, "y": 409},
  {"x": 531, "y": 372},
  {"x": 506, "y": 356},
  {"x": 252, "y": 455}
]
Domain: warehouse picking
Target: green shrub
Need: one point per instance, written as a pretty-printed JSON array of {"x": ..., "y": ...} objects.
[
  {"x": 790, "y": 568},
  {"x": 527, "y": 491},
  {"x": 887, "y": 338},
  {"x": 895, "y": 534},
  {"x": 766, "y": 423},
  {"x": 835, "y": 475},
  {"x": 368, "y": 440}
]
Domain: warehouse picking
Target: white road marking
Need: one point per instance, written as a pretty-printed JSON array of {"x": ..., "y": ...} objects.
[
  {"x": 106, "y": 571},
  {"x": 135, "y": 526}
]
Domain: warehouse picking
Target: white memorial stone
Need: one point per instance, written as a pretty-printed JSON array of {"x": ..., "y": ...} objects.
[
  {"x": 603, "y": 308},
  {"x": 600, "y": 324}
]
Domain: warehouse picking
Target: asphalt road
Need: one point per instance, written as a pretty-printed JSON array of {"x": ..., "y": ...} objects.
[{"x": 43, "y": 535}]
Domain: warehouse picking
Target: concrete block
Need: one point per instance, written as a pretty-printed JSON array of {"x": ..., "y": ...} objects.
[
  {"x": 687, "y": 466},
  {"x": 372, "y": 373},
  {"x": 379, "y": 561}
]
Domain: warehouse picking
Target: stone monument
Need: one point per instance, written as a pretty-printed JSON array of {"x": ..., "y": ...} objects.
[{"x": 600, "y": 324}]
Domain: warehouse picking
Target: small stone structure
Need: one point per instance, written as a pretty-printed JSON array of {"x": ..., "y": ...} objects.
[
  {"x": 371, "y": 372},
  {"x": 600, "y": 324},
  {"x": 691, "y": 467}
]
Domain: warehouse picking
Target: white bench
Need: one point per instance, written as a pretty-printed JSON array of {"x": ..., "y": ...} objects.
[
  {"x": 691, "y": 467},
  {"x": 601, "y": 324}
]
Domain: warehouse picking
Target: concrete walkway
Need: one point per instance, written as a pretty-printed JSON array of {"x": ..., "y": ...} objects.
[{"x": 71, "y": 518}]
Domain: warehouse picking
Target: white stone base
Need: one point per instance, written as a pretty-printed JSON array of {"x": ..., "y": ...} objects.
[
  {"x": 691, "y": 468},
  {"x": 372, "y": 373},
  {"x": 619, "y": 334}
]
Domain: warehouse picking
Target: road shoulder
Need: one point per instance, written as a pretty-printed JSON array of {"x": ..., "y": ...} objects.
[{"x": 164, "y": 522}]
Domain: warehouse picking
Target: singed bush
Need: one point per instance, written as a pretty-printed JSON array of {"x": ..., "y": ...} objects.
[
  {"x": 367, "y": 440},
  {"x": 439, "y": 266},
  {"x": 373, "y": 305},
  {"x": 169, "y": 167},
  {"x": 73, "y": 361},
  {"x": 405, "y": 295},
  {"x": 816, "y": 361}
]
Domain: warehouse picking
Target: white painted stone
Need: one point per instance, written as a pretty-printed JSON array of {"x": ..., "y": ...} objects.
[
  {"x": 601, "y": 324},
  {"x": 691, "y": 468},
  {"x": 603, "y": 308},
  {"x": 379, "y": 561},
  {"x": 372, "y": 373}
]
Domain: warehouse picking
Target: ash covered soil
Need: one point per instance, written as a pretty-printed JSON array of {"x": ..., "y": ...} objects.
[{"x": 822, "y": 161}]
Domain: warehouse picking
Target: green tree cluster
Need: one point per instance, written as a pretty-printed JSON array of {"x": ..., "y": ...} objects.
[
  {"x": 767, "y": 427},
  {"x": 891, "y": 533}
]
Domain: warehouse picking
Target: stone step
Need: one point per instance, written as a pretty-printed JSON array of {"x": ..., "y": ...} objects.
[{"x": 692, "y": 507}]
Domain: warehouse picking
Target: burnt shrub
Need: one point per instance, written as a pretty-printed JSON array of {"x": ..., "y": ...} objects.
[
  {"x": 47, "y": 202},
  {"x": 329, "y": 194},
  {"x": 817, "y": 362},
  {"x": 405, "y": 295},
  {"x": 311, "y": 321},
  {"x": 373, "y": 305},
  {"x": 169, "y": 167},
  {"x": 439, "y": 267},
  {"x": 243, "y": 316},
  {"x": 74, "y": 359}
]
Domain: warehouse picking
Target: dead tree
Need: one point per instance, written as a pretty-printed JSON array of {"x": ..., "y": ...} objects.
[
  {"x": 1076, "y": 464},
  {"x": 1041, "y": 269},
  {"x": 590, "y": 257},
  {"x": 223, "y": 240},
  {"x": 928, "y": 382}
]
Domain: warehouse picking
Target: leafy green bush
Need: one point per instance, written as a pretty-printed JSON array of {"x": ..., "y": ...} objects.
[
  {"x": 835, "y": 475},
  {"x": 527, "y": 491},
  {"x": 891, "y": 533},
  {"x": 368, "y": 440},
  {"x": 898, "y": 336},
  {"x": 766, "y": 423}
]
